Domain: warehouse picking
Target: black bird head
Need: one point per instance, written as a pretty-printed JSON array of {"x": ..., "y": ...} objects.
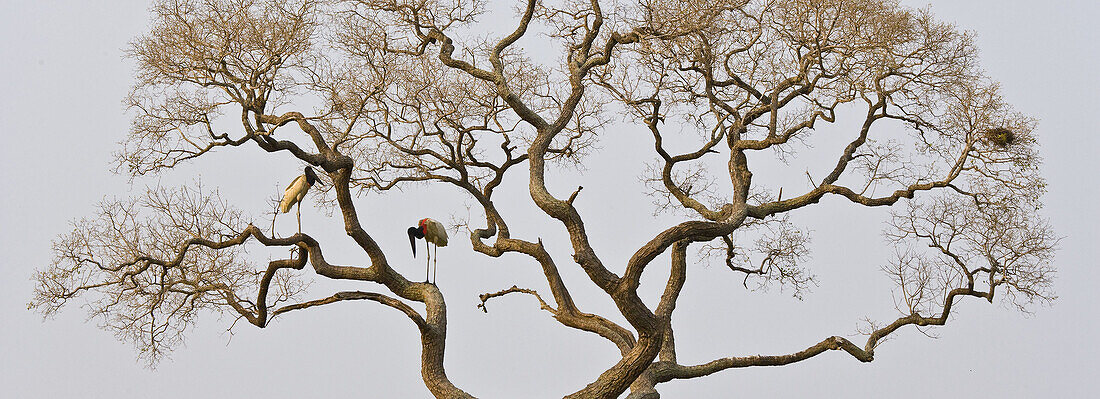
[
  {"x": 310, "y": 176},
  {"x": 414, "y": 233}
]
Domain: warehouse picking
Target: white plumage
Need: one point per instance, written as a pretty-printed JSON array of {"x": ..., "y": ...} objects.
[
  {"x": 432, "y": 232},
  {"x": 294, "y": 194}
]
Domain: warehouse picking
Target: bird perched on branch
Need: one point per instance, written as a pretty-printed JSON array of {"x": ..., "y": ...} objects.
[
  {"x": 433, "y": 233},
  {"x": 294, "y": 194}
]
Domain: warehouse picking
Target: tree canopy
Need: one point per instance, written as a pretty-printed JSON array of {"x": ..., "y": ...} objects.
[{"x": 381, "y": 94}]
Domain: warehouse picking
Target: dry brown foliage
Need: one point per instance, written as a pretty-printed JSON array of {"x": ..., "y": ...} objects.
[{"x": 407, "y": 91}]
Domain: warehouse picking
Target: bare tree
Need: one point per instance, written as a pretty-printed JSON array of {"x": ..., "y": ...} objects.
[{"x": 392, "y": 92}]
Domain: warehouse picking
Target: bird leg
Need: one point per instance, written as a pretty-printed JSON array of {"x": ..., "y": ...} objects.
[
  {"x": 299, "y": 214},
  {"x": 428, "y": 264},
  {"x": 435, "y": 264}
]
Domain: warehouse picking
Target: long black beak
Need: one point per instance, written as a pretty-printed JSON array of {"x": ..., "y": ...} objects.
[{"x": 414, "y": 233}]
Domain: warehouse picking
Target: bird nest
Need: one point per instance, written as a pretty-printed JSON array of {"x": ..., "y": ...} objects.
[{"x": 1000, "y": 136}]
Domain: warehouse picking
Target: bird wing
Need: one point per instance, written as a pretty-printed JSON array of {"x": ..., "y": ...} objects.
[
  {"x": 291, "y": 195},
  {"x": 293, "y": 182},
  {"x": 439, "y": 233}
]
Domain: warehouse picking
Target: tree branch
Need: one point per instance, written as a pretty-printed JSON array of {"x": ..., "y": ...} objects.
[
  {"x": 514, "y": 289},
  {"x": 359, "y": 295}
]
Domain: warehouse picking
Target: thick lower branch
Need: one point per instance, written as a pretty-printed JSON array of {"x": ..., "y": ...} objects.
[{"x": 619, "y": 377}]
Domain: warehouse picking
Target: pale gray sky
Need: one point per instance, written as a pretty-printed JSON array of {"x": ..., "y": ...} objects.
[{"x": 63, "y": 79}]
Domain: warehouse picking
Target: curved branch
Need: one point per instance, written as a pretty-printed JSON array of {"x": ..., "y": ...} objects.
[
  {"x": 667, "y": 371},
  {"x": 691, "y": 230},
  {"x": 567, "y": 312},
  {"x": 514, "y": 289},
  {"x": 359, "y": 295},
  {"x": 303, "y": 123}
]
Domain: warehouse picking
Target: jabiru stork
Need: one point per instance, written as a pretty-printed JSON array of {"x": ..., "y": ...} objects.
[
  {"x": 432, "y": 232},
  {"x": 294, "y": 194}
]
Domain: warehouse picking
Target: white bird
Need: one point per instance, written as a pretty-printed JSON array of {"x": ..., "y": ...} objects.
[
  {"x": 432, "y": 232},
  {"x": 294, "y": 194}
]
